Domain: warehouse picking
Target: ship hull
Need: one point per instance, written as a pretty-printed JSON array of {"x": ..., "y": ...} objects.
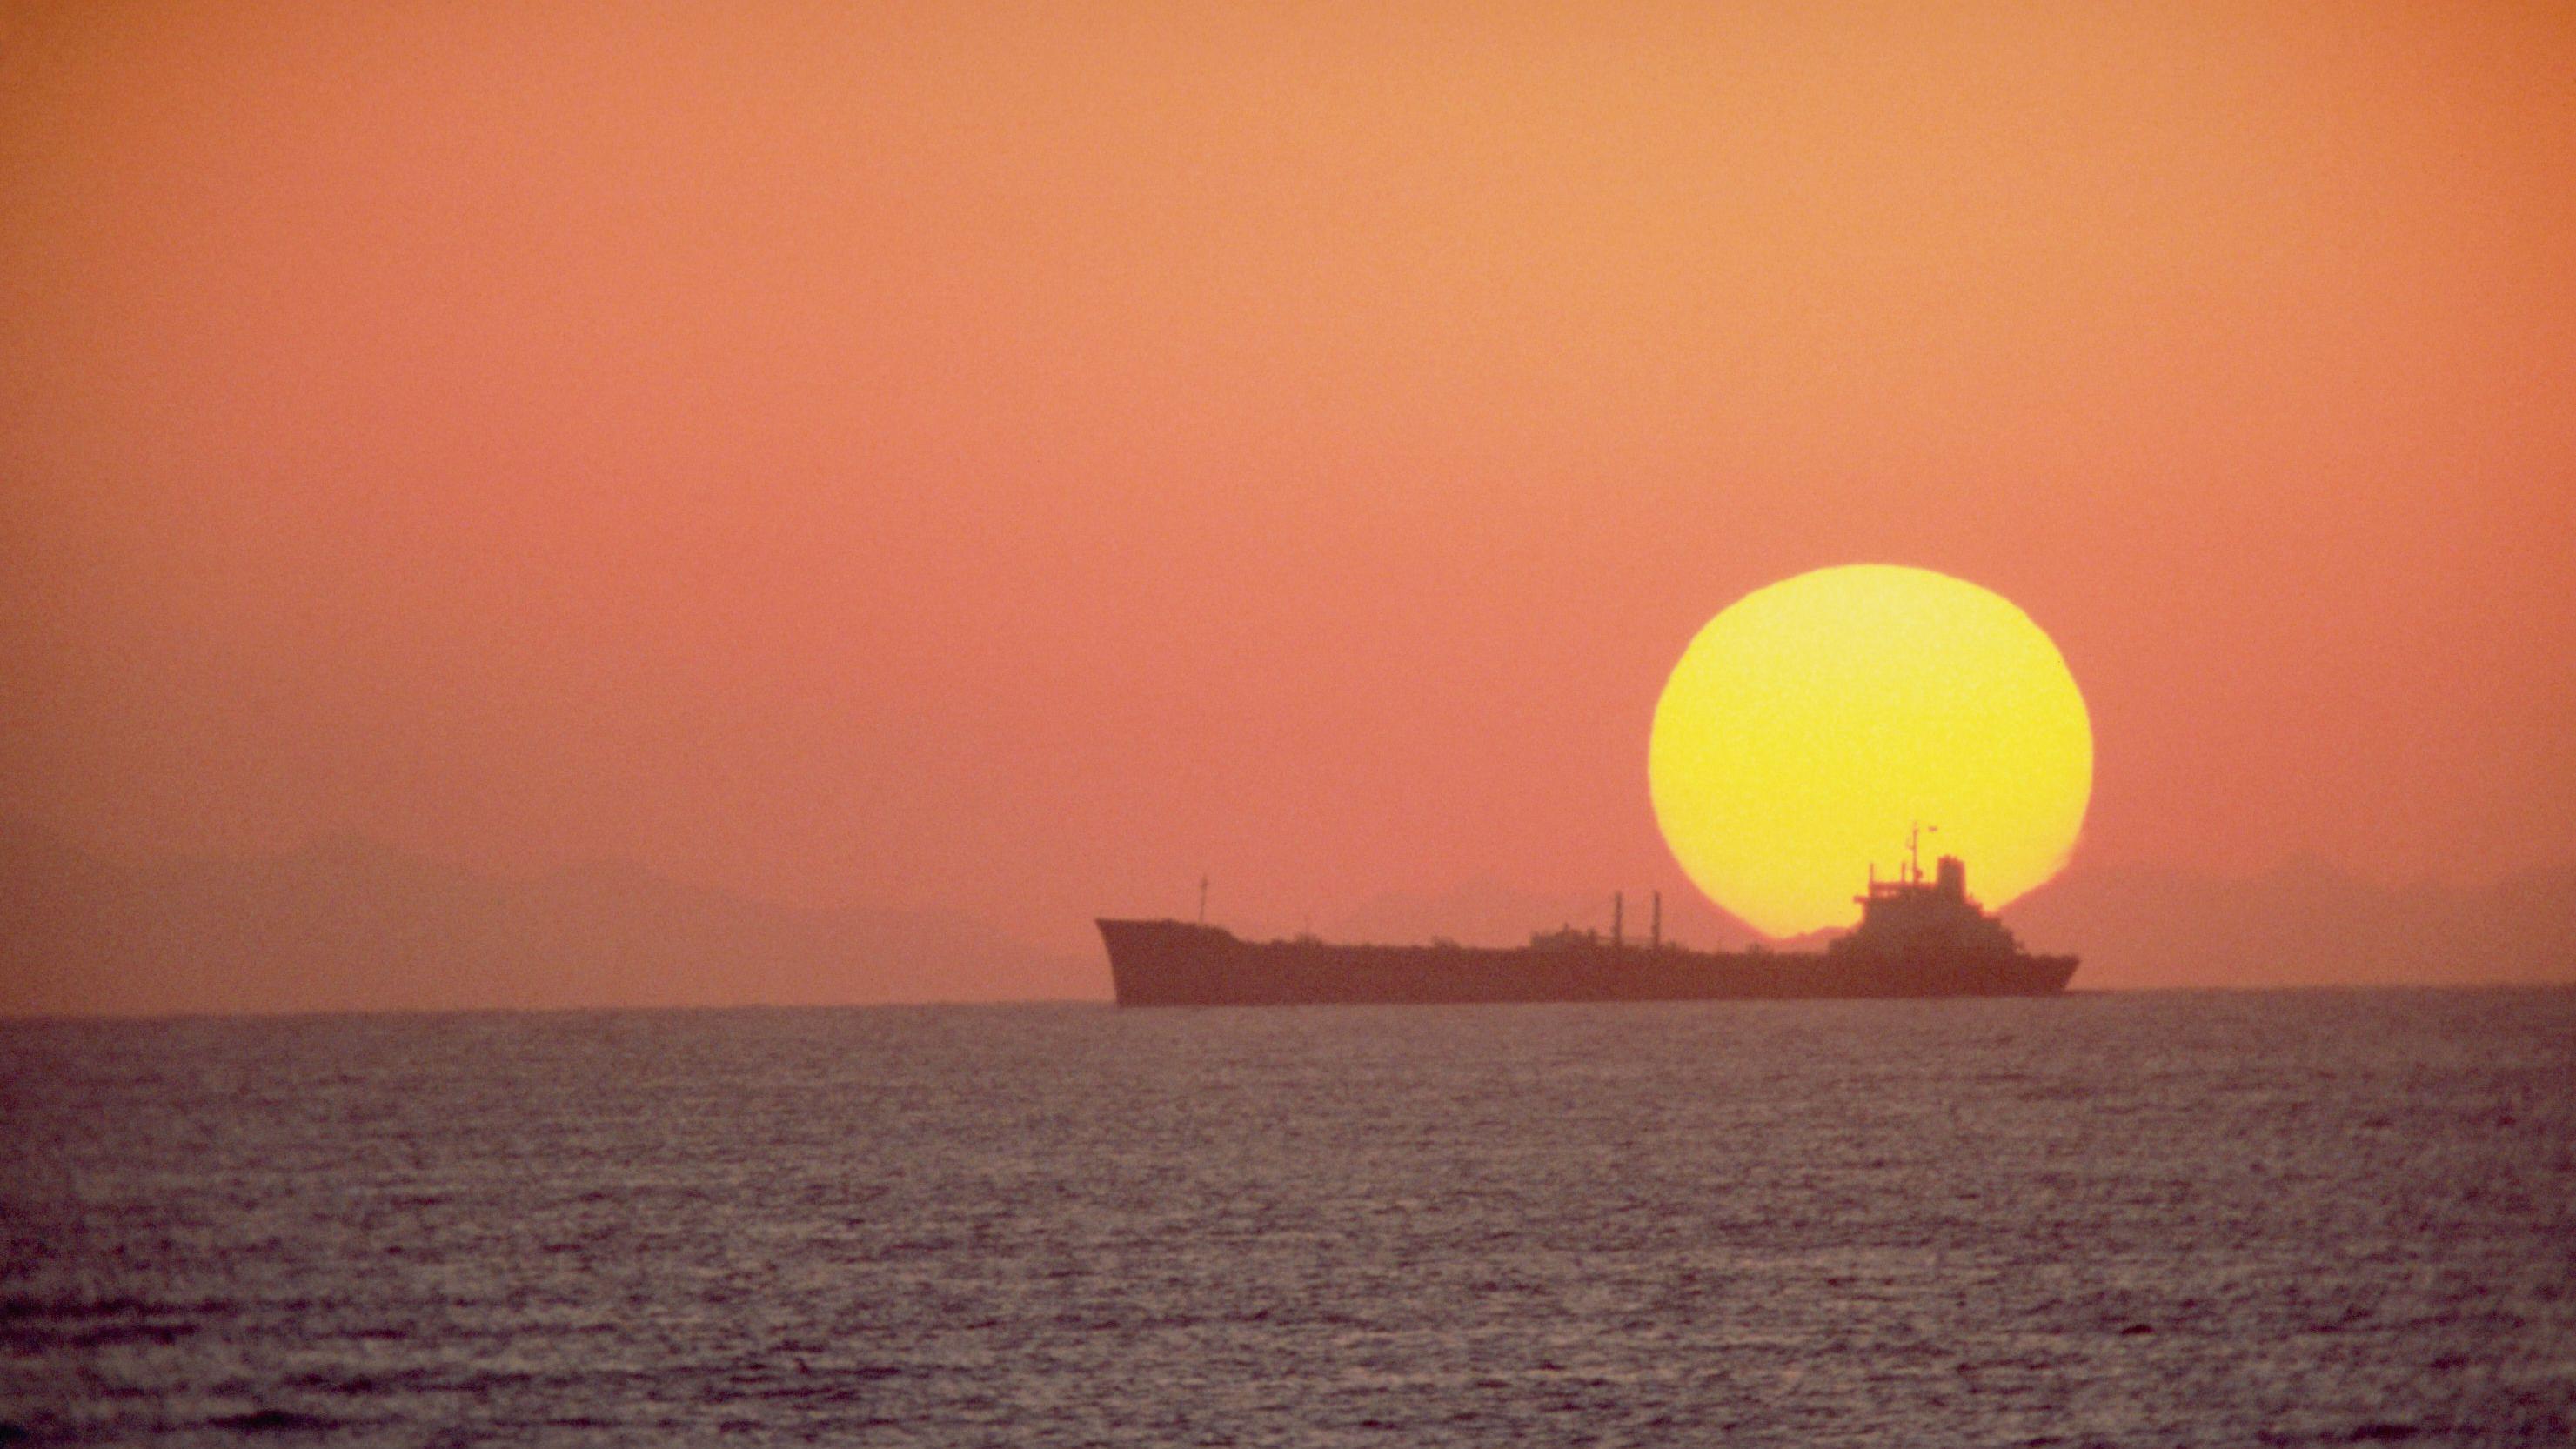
[{"x": 1175, "y": 963}]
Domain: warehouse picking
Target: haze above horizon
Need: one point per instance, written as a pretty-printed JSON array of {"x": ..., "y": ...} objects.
[{"x": 930, "y": 459}]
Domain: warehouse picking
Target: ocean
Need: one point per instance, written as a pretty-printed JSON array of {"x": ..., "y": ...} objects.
[{"x": 2284, "y": 1218}]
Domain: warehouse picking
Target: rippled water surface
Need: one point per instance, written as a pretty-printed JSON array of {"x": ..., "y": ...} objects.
[{"x": 2315, "y": 1218}]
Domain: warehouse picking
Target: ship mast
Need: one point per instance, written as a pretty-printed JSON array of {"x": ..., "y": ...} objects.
[{"x": 1914, "y": 851}]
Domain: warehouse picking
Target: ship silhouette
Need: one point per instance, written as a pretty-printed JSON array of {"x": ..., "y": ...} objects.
[{"x": 1917, "y": 937}]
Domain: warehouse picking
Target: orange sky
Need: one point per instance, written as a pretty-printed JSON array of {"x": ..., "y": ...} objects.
[{"x": 1020, "y": 460}]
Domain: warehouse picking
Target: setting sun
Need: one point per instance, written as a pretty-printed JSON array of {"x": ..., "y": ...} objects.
[{"x": 1811, "y": 723}]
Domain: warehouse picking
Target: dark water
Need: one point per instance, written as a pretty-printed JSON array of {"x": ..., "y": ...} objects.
[{"x": 2314, "y": 1218}]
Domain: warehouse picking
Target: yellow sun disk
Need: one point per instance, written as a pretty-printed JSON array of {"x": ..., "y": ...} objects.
[{"x": 1810, "y": 723}]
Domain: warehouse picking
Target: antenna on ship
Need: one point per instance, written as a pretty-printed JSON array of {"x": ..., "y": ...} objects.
[
  {"x": 1914, "y": 851},
  {"x": 1655, "y": 940},
  {"x": 1618, "y": 917},
  {"x": 1203, "y": 900}
]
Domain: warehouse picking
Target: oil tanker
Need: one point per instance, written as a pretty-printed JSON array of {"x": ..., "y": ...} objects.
[{"x": 1916, "y": 937}]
